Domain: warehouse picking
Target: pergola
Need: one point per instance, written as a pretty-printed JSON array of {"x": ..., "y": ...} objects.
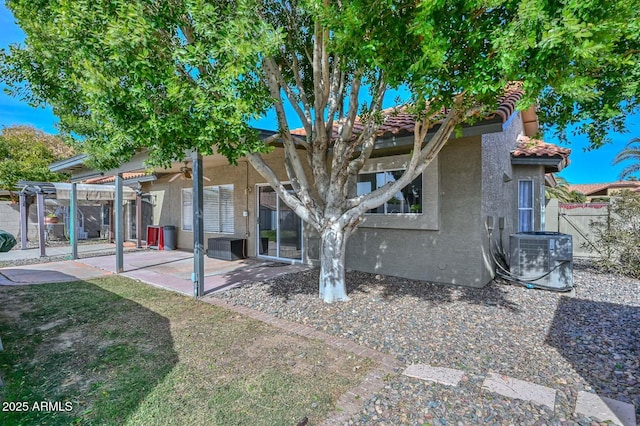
[
  {"x": 80, "y": 172},
  {"x": 65, "y": 191}
]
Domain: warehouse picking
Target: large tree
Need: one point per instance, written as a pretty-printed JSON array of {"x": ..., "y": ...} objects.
[
  {"x": 189, "y": 74},
  {"x": 25, "y": 154}
]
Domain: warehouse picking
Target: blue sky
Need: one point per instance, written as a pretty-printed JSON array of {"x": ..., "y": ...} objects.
[{"x": 586, "y": 166}]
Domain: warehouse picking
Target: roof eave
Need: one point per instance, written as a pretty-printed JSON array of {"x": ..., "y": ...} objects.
[
  {"x": 68, "y": 165},
  {"x": 551, "y": 164}
]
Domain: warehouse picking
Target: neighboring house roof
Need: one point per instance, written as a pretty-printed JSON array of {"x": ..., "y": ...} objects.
[
  {"x": 529, "y": 151},
  {"x": 399, "y": 121},
  {"x": 595, "y": 188},
  {"x": 111, "y": 179}
]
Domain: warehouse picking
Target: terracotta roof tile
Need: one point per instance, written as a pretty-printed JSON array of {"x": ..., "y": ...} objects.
[
  {"x": 110, "y": 179},
  {"x": 398, "y": 121},
  {"x": 528, "y": 147},
  {"x": 591, "y": 188}
]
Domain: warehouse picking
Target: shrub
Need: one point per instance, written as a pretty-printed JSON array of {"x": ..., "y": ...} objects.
[{"x": 618, "y": 239}]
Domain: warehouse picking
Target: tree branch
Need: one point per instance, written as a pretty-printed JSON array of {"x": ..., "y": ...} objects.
[
  {"x": 419, "y": 160},
  {"x": 270, "y": 63},
  {"x": 306, "y": 214}
]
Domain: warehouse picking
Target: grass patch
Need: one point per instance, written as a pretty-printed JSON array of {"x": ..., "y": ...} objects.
[{"x": 113, "y": 351}]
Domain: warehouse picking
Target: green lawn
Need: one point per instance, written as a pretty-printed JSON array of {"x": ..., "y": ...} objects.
[{"x": 114, "y": 351}]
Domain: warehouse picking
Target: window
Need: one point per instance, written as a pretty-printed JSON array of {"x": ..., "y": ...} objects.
[
  {"x": 187, "y": 209},
  {"x": 525, "y": 206},
  {"x": 217, "y": 208},
  {"x": 406, "y": 201}
]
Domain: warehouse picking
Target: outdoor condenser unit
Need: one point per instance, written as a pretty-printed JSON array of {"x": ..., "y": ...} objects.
[{"x": 544, "y": 259}]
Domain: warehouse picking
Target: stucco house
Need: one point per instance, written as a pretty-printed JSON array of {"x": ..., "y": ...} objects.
[
  {"x": 603, "y": 191},
  {"x": 436, "y": 229}
]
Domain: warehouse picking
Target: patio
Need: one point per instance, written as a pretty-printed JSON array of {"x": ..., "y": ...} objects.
[
  {"x": 170, "y": 269},
  {"x": 58, "y": 250}
]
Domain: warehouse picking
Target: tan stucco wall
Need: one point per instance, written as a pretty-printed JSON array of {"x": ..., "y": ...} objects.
[
  {"x": 167, "y": 199},
  {"x": 448, "y": 253},
  {"x": 471, "y": 180}
]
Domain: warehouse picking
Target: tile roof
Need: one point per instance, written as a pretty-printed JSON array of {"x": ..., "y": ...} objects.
[
  {"x": 111, "y": 179},
  {"x": 529, "y": 147},
  {"x": 592, "y": 188},
  {"x": 398, "y": 121}
]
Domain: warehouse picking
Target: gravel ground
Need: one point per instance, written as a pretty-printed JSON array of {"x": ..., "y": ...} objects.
[{"x": 588, "y": 342}]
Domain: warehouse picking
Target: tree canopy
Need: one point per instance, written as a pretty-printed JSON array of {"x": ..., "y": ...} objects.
[
  {"x": 25, "y": 154},
  {"x": 179, "y": 75}
]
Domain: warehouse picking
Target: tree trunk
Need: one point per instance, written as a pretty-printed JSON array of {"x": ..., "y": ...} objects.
[{"x": 333, "y": 287}]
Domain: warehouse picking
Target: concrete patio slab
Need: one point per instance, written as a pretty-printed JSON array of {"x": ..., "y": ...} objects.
[
  {"x": 56, "y": 251},
  {"x": 445, "y": 376},
  {"x": 519, "y": 389},
  {"x": 605, "y": 409},
  {"x": 166, "y": 269},
  {"x": 52, "y": 272},
  {"x": 172, "y": 270}
]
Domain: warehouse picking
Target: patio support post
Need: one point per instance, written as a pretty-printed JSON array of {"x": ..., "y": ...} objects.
[
  {"x": 119, "y": 225},
  {"x": 138, "y": 219},
  {"x": 24, "y": 220},
  {"x": 41, "y": 242},
  {"x": 198, "y": 227},
  {"x": 73, "y": 217}
]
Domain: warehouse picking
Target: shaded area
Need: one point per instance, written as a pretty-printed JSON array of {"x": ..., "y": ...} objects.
[
  {"x": 390, "y": 288},
  {"x": 45, "y": 273},
  {"x": 81, "y": 346},
  {"x": 601, "y": 341},
  {"x": 173, "y": 270},
  {"x": 123, "y": 352}
]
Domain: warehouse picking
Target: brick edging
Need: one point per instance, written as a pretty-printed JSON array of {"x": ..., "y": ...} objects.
[{"x": 350, "y": 402}]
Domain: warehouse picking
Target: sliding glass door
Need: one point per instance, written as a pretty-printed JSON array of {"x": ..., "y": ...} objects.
[{"x": 279, "y": 228}]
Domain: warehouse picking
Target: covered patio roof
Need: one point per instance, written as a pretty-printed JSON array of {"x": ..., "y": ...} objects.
[{"x": 62, "y": 190}]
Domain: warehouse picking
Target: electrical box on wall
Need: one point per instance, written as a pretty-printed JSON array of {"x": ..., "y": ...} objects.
[{"x": 245, "y": 213}]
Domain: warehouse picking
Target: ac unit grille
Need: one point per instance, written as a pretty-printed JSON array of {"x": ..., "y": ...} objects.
[
  {"x": 534, "y": 254},
  {"x": 542, "y": 258}
]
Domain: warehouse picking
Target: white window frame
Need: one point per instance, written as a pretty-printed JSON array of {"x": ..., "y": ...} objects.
[
  {"x": 186, "y": 227},
  {"x": 521, "y": 227},
  {"x": 422, "y": 208},
  {"x": 223, "y": 222}
]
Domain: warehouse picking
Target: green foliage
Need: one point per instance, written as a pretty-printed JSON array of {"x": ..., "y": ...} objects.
[
  {"x": 630, "y": 153},
  {"x": 618, "y": 240},
  {"x": 189, "y": 74},
  {"x": 580, "y": 58},
  {"x": 562, "y": 192},
  {"x": 125, "y": 75},
  {"x": 25, "y": 154}
]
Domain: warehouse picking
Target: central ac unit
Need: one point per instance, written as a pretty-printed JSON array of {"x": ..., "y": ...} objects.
[{"x": 543, "y": 259}]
